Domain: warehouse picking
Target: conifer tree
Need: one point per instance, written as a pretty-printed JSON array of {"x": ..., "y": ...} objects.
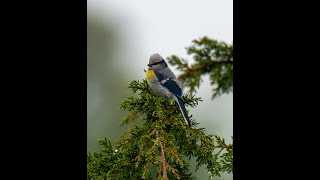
[{"x": 161, "y": 146}]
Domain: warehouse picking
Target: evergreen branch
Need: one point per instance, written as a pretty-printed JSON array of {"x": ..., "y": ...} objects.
[
  {"x": 173, "y": 170},
  {"x": 202, "y": 69},
  {"x": 211, "y": 57},
  {"x": 163, "y": 137},
  {"x": 217, "y": 155},
  {"x": 161, "y": 140},
  {"x": 145, "y": 170}
]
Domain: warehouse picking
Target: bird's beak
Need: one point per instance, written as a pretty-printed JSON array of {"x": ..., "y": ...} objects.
[{"x": 149, "y": 65}]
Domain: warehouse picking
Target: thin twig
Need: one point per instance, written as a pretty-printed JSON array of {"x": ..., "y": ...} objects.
[{"x": 219, "y": 153}]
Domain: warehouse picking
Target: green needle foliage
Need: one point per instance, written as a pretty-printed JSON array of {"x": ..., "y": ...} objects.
[
  {"x": 161, "y": 147},
  {"x": 211, "y": 57}
]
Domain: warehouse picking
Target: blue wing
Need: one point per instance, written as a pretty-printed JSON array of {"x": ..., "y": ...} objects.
[
  {"x": 169, "y": 83},
  {"x": 172, "y": 86}
]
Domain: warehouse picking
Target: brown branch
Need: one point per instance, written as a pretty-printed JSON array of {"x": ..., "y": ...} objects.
[
  {"x": 200, "y": 69},
  {"x": 163, "y": 162},
  {"x": 163, "y": 157}
]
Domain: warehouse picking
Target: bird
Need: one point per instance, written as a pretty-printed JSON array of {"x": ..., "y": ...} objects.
[{"x": 165, "y": 83}]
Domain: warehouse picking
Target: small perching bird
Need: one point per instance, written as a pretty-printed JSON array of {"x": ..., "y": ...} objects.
[{"x": 164, "y": 83}]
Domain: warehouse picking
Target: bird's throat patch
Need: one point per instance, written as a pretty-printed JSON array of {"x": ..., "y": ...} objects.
[{"x": 150, "y": 75}]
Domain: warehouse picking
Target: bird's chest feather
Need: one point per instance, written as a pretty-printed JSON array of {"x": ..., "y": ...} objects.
[{"x": 150, "y": 75}]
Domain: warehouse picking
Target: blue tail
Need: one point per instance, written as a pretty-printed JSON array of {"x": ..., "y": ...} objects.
[{"x": 183, "y": 109}]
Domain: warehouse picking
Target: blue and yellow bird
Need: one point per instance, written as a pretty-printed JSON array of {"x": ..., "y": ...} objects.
[{"x": 164, "y": 83}]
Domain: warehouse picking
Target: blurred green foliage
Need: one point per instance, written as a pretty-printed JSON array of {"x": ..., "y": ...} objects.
[{"x": 103, "y": 106}]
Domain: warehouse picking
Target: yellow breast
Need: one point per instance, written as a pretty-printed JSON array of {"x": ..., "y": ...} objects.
[{"x": 150, "y": 75}]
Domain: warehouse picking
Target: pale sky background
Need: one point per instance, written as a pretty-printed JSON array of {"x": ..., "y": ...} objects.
[
  {"x": 167, "y": 27},
  {"x": 164, "y": 26}
]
